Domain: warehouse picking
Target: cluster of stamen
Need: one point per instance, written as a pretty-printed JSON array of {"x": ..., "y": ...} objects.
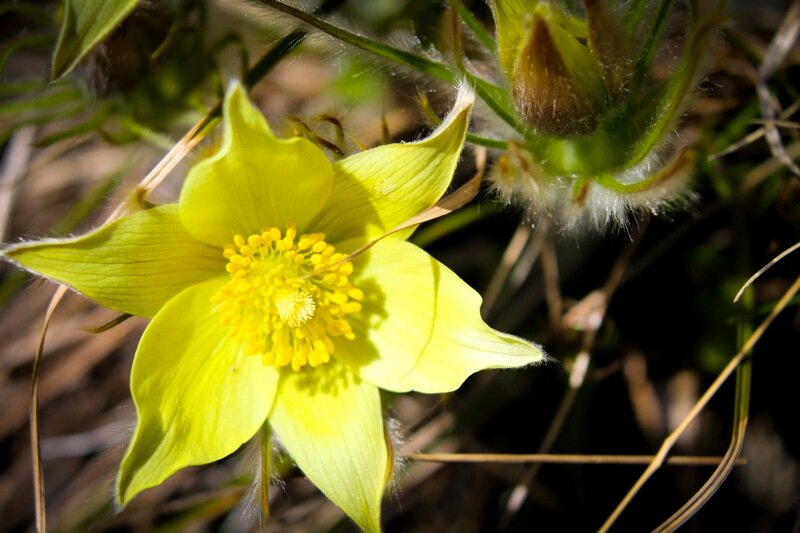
[{"x": 287, "y": 296}]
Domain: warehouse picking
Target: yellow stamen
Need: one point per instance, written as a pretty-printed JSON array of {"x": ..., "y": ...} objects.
[{"x": 288, "y": 296}]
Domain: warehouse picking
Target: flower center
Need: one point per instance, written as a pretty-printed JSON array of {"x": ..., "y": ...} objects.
[{"x": 287, "y": 296}]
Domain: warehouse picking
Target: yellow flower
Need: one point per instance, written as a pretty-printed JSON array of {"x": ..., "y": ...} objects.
[{"x": 258, "y": 314}]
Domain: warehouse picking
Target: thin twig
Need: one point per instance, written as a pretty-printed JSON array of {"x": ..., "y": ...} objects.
[
  {"x": 558, "y": 458},
  {"x": 599, "y": 305},
  {"x": 36, "y": 449},
  {"x": 526, "y": 242},
  {"x": 764, "y": 269},
  {"x": 512, "y": 252},
  {"x": 781, "y": 44},
  {"x": 552, "y": 289},
  {"x": 726, "y": 465},
  {"x": 178, "y": 152},
  {"x": 754, "y": 135},
  {"x": 788, "y": 124},
  {"x": 14, "y": 166},
  {"x": 673, "y": 437}
]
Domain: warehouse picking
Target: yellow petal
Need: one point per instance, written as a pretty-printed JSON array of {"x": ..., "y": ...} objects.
[
  {"x": 254, "y": 180},
  {"x": 376, "y": 190},
  {"x": 197, "y": 396},
  {"x": 332, "y": 426},
  {"x": 420, "y": 327},
  {"x": 133, "y": 265}
]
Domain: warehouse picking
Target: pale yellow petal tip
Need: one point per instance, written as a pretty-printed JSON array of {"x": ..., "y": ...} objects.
[
  {"x": 533, "y": 353},
  {"x": 122, "y": 495},
  {"x": 239, "y": 109},
  {"x": 462, "y": 107},
  {"x": 128, "y": 485},
  {"x": 124, "y": 485}
]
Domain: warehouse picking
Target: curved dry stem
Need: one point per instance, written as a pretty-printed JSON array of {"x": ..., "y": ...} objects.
[
  {"x": 36, "y": 451},
  {"x": 673, "y": 437},
  {"x": 726, "y": 465},
  {"x": 763, "y": 269},
  {"x": 597, "y": 302},
  {"x": 559, "y": 458}
]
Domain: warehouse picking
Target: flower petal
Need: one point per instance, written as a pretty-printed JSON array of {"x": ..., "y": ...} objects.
[
  {"x": 133, "y": 265},
  {"x": 376, "y": 190},
  {"x": 197, "y": 396},
  {"x": 254, "y": 180},
  {"x": 421, "y": 327},
  {"x": 331, "y": 423}
]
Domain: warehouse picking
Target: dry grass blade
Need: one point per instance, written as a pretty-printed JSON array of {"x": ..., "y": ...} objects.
[
  {"x": 36, "y": 458},
  {"x": 596, "y": 305},
  {"x": 673, "y": 437},
  {"x": 554, "y": 458},
  {"x": 168, "y": 163},
  {"x": 516, "y": 246},
  {"x": 552, "y": 290},
  {"x": 114, "y": 322},
  {"x": 779, "y": 47},
  {"x": 726, "y": 465},
  {"x": 788, "y": 124},
  {"x": 763, "y": 269},
  {"x": 14, "y": 166},
  {"x": 757, "y": 134}
]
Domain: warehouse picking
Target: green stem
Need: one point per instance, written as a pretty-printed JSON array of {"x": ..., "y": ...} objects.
[
  {"x": 633, "y": 18},
  {"x": 487, "y": 91},
  {"x": 681, "y": 82},
  {"x": 275, "y": 54},
  {"x": 423, "y": 64},
  {"x": 649, "y": 47},
  {"x": 474, "y": 25},
  {"x": 487, "y": 142},
  {"x": 672, "y": 168}
]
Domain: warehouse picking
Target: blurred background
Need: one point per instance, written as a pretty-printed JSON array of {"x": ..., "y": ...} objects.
[{"x": 638, "y": 319}]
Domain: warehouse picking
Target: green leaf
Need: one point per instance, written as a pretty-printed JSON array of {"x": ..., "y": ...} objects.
[
  {"x": 680, "y": 84},
  {"x": 31, "y": 12},
  {"x": 475, "y": 26},
  {"x": 84, "y": 24},
  {"x": 14, "y": 88},
  {"x": 24, "y": 42},
  {"x": 56, "y": 96},
  {"x": 96, "y": 119}
]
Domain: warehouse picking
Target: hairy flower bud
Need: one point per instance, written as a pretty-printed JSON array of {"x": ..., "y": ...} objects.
[
  {"x": 557, "y": 83},
  {"x": 597, "y": 124},
  {"x": 564, "y": 72}
]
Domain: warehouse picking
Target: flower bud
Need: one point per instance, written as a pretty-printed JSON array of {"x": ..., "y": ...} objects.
[
  {"x": 564, "y": 72},
  {"x": 599, "y": 141}
]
